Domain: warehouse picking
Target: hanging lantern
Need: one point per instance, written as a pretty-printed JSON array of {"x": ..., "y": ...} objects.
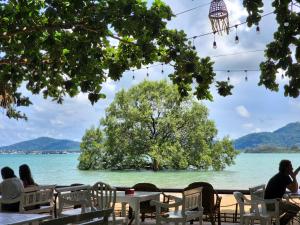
[{"x": 218, "y": 16}]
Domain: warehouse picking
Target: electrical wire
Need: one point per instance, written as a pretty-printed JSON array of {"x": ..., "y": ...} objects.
[
  {"x": 188, "y": 10},
  {"x": 212, "y": 32},
  {"x": 237, "y": 53}
]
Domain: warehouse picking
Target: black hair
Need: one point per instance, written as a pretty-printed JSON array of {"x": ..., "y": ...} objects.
[
  {"x": 283, "y": 165},
  {"x": 25, "y": 175},
  {"x": 7, "y": 172}
]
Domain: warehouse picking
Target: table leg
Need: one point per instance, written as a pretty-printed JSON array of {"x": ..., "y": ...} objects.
[
  {"x": 136, "y": 208},
  {"x": 123, "y": 209}
]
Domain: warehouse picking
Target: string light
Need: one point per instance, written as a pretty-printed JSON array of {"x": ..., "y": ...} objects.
[
  {"x": 214, "y": 43},
  {"x": 236, "y": 36},
  {"x": 228, "y": 78},
  {"x": 194, "y": 47},
  {"x": 133, "y": 77},
  {"x": 246, "y": 75},
  {"x": 282, "y": 76},
  {"x": 257, "y": 29},
  {"x": 147, "y": 71}
]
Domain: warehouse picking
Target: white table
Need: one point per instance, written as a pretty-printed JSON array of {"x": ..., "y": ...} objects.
[
  {"x": 134, "y": 201},
  {"x": 20, "y": 218}
]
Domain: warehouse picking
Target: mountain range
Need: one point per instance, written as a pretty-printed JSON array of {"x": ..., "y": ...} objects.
[
  {"x": 43, "y": 144},
  {"x": 285, "y": 137}
]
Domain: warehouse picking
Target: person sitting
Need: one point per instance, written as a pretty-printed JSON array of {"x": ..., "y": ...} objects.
[
  {"x": 276, "y": 187},
  {"x": 26, "y": 177},
  {"x": 10, "y": 188},
  {"x": 28, "y": 183}
]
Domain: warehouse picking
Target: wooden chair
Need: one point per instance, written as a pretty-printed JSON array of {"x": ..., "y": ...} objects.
[
  {"x": 40, "y": 201},
  {"x": 270, "y": 206},
  {"x": 191, "y": 200},
  {"x": 104, "y": 197},
  {"x": 250, "y": 210},
  {"x": 13, "y": 201},
  {"x": 99, "y": 217},
  {"x": 145, "y": 207},
  {"x": 211, "y": 201},
  {"x": 68, "y": 197}
]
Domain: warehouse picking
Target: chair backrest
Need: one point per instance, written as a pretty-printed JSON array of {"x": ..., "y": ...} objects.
[
  {"x": 243, "y": 201},
  {"x": 99, "y": 217},
  {"x": 47, "y": 186},
  {"x": 10, "y": 201},
  {"x": 103, "y": 196},
  {"x": 269, "y": 206},
  {"x": 208, "y": 195},
  {"x": 240, "y": 199},
  {"x": 71, "y": 196},
  {"x": 31, "y": 201},
  {"x": 257, "y": 192},
  {"x": 146, "y": 187},
  {"x": 192, "y": 199}
]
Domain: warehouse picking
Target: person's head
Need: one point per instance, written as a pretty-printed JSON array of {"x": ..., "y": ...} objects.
[
  {"x": 7, "y": 172},
  {"x": 25, "y": 174},
  {"x": 285, "y": 166}
]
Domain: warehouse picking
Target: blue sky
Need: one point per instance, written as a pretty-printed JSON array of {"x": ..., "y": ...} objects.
[{"x": 251, "y": 108}]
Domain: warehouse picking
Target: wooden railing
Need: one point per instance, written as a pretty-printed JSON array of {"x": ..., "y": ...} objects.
[{"x": 178, "y": 190}]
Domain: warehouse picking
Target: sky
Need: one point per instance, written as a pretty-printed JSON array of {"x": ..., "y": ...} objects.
[{"x": 250, "y": 108}]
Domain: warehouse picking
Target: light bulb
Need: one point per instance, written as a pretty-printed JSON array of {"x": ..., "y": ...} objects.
[
  {"x": 236, "y": 39},
  {"x": 257, "y": 30},
  {"x": 215, "y": 45}
]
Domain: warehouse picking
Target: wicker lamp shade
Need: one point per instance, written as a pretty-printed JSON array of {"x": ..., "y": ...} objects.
[{"x": 218, "y": 16}]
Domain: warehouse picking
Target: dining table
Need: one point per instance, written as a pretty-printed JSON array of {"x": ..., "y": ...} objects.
[
  {"x": 134, "y": 201},
  {"x": 7, "y": 218}
]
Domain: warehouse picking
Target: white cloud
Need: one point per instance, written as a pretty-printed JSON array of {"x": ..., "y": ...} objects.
[
  {"x": 248, "y": 125},
  {"x": 257, "y": 130},
  {"x": 38, "y": 108},
  {"x": 81, "y": 98},
  {"x": 236, "y": 12},
  {"x": 251, "y": 128},
  {"x": 295, "y": 103},
  {"x": 242, "y": 111},
  {"x": 109, "y": 85},
  {"x": 1, "y": 126},
  {"x": 57, "y": 122}
]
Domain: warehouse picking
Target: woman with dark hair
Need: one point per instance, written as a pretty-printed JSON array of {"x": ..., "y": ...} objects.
[
  {"x": 25, "y": 176},
  {"x": 10, "y": 188}
]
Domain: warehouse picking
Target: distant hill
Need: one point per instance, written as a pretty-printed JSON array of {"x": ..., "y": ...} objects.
[
  {"x": 285, "y": 137},
  {"x": 43, "y": 144}
]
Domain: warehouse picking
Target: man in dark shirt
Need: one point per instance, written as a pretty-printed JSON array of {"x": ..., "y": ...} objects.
[{"x": 276, "y": 187}]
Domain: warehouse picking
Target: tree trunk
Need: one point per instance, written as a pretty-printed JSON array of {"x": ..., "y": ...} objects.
[{"x": 155, "y": 165}]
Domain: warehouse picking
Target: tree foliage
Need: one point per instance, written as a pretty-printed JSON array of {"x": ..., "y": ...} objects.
[
  {"x": 62, "y": 47},
  {"x": 284, "y": 51},
  {"x": 91, "y": 149},
  {"x": 151, "y": 124}
]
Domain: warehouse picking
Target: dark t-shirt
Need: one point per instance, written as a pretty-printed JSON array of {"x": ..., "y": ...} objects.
[{"x": 276, "y": 186}]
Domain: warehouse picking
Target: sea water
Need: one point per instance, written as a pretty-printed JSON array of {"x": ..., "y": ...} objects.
[{"x": 61, "y": 169}]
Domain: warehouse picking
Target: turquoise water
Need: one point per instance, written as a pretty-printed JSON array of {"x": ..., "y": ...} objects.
[{"x": 249, "y": 170}]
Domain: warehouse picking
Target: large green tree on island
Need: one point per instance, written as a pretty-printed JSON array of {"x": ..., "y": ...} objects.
[
  {"x": 152, "y": 123},
  {"x": 63, "y": 47}
]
